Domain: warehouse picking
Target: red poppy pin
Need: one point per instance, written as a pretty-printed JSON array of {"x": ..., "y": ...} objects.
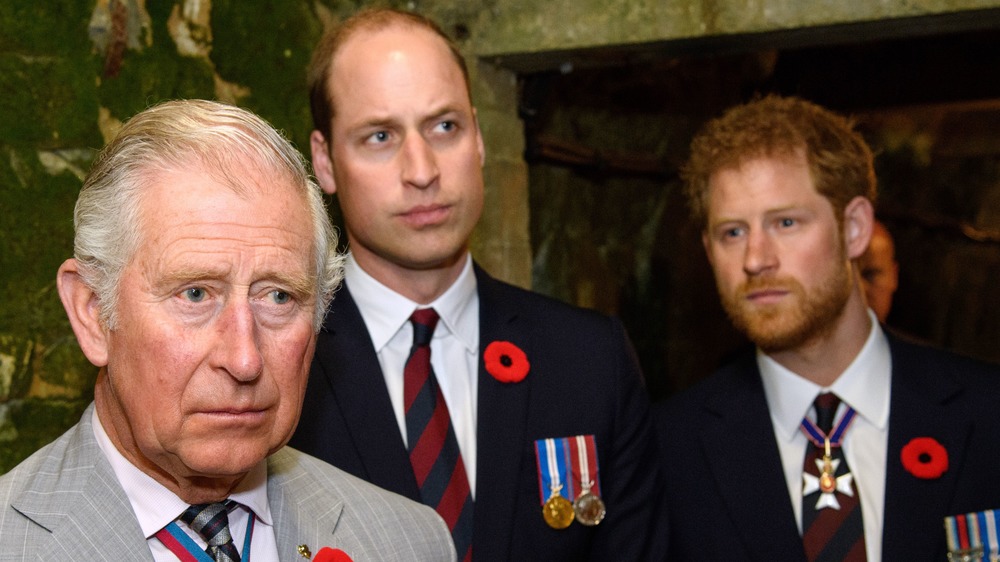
[
  {"x": 925, "y": 458},
  {"x": 327, "y": 554},
  {"x": 506, "y": 362}
]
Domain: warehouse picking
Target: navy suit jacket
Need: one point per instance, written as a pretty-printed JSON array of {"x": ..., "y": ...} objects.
[
  {"x": 584, "y": 379},
  {"x": 726, "y": 492}
]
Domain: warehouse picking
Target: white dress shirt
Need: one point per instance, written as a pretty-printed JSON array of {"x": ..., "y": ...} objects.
[
  {"x": 865, "y": 386},
  {"x": 454, "y": 347},
  {"x": 155, "y": 506}
]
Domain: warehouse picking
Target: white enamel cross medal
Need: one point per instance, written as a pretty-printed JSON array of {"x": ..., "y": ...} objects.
[{"x": 827, "y": 484}]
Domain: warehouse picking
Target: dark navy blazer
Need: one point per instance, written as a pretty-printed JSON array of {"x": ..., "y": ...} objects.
[
  {"x": 584, "y": 379},
  {"x": 726, "y": 492}
]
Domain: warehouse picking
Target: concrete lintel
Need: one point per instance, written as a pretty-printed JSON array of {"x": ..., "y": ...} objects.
[{"x": 537, "y": 48}]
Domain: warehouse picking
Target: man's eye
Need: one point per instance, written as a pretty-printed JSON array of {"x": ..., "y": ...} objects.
[
  {"x": 446, "y": 126},
  {"x": 194, "y": 294},
  {"x": 281, "y": 297},
  {"x": 379, "y": 137},
  {"x": 787, "y": 222}
]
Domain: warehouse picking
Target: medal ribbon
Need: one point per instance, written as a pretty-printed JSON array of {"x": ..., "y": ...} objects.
[
  {"x": 552, "y": 457},
  {"x": 816, "y": 435},
  {"x": 969, "y": 531},
  {"x": 583, "y": 449},
  {"x": 187, "y": 550}
]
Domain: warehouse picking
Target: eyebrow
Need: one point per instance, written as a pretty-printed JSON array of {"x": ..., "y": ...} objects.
[
  {"x": 436, "y": 113},
  {"x": 298, "y": 284},
  {"x": 304, "y": 285}
]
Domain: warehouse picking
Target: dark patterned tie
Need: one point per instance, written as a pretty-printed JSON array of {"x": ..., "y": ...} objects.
[
  {"x": 434, "y": 453},
  {"x": 831, "y": 520},
  {"x": 211, "y": 521}
]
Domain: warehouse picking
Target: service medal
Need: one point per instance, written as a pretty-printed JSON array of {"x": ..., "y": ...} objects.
[
  {"x": 558, "y": 512},
  {"x": 973, "y": 536},
  {"x": 589, "y": 506},
  {"x": 553, "y": 474},
  {"x": 828, "y": 484},
  {"x": 589, "y": 509}
]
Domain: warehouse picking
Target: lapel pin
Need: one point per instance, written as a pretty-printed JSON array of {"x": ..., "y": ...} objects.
[{"x": 304, "y": 551}]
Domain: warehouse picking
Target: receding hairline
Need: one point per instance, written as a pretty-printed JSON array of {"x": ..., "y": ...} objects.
[{"x": 367, "y": 22}]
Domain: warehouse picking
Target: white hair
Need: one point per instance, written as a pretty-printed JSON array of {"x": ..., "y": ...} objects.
[{"x": 167, "y": 137}]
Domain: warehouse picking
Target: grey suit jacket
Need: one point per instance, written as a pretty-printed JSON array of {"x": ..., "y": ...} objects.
[{"x": 64, "y": 503}]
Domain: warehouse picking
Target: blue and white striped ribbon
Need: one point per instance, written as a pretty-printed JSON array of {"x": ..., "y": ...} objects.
[{"x": 968, "y": 531}]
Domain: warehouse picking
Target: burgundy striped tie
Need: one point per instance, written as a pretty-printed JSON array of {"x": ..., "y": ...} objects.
[
  {"x": 831, "y": 532},
  {"x": 434, "y": 453}
]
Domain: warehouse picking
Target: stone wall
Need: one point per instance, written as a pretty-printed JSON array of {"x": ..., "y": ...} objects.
[{"x": 72, "y": 70}]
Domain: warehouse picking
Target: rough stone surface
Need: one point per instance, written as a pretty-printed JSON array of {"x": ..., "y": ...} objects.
[{"x": 527, "y": 26}]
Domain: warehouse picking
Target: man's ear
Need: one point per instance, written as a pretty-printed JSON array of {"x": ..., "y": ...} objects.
[
  {"x": 322, "y": 162},
  {"x": 84, "y": 311},
  {"x": 859, "y": 221}
]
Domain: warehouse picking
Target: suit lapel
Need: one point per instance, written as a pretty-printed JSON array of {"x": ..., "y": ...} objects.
[
  {"x": 502, "y": 423},
  {"x": 351, "y": 364},
  {"x": 86, "y": 510},
  {"x": 297, "y": 520},
  {"x": 922, "y": 404},
  {"x": 738, "y": 440}
]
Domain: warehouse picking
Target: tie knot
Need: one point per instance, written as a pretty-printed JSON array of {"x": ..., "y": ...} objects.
[
  {"x": 210, "y": 520},
  {"x": 826, "y": 406},
  {"x": 424, "y": 320}
]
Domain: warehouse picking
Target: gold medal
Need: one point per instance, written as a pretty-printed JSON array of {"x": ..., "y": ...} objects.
[
  {"x": 827, "y": 483},
  {"x": 589, "y": 509},
  {"x": 558, "y": 512}
]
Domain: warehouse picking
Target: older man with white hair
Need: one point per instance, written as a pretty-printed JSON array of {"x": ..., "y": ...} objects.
[{"x": 204, "y": 261}]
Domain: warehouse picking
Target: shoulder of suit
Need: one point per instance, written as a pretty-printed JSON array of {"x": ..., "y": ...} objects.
[
  {"x": 737, "y": 374},
  {"x": 335, "y": 481},
  {"x": 528, "y": 302},
  {"x": 43, "y": 472},
  {"x": 972, "y": 373}
]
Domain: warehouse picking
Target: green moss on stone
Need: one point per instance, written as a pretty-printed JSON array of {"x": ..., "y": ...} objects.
[
  {"x": 15, "y": 363},
  {"x": 47, "y": 102},
  {"x": 65, "y": 365},
  {"x": 33, "y": 424},
  {"x": 50, "y": 27},
  {"x": 267, "y": 50},
  {"x": 152, "y": 75},
  {"x": 37, "y": 236}
]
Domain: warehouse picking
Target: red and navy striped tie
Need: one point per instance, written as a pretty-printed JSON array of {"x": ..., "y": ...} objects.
[
  {"x": 434, "y": 453},
  {"x": 831, "y": 534}
]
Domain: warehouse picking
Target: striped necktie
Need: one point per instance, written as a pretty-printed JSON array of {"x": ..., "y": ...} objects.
[
  {"x": 211, "y": 521},
  {"x": 831, "y": 511},
  {"x": 434, "y": 453}
]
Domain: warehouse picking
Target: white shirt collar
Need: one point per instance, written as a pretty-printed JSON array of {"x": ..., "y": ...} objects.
[
  {"x": 386, "y": 311},
  {"x": 155, "y": 506},
  {"x": 865, "y": 385}
]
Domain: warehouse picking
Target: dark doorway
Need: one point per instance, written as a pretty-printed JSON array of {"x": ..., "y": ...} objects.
[{"x": 607, "y": 129}]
